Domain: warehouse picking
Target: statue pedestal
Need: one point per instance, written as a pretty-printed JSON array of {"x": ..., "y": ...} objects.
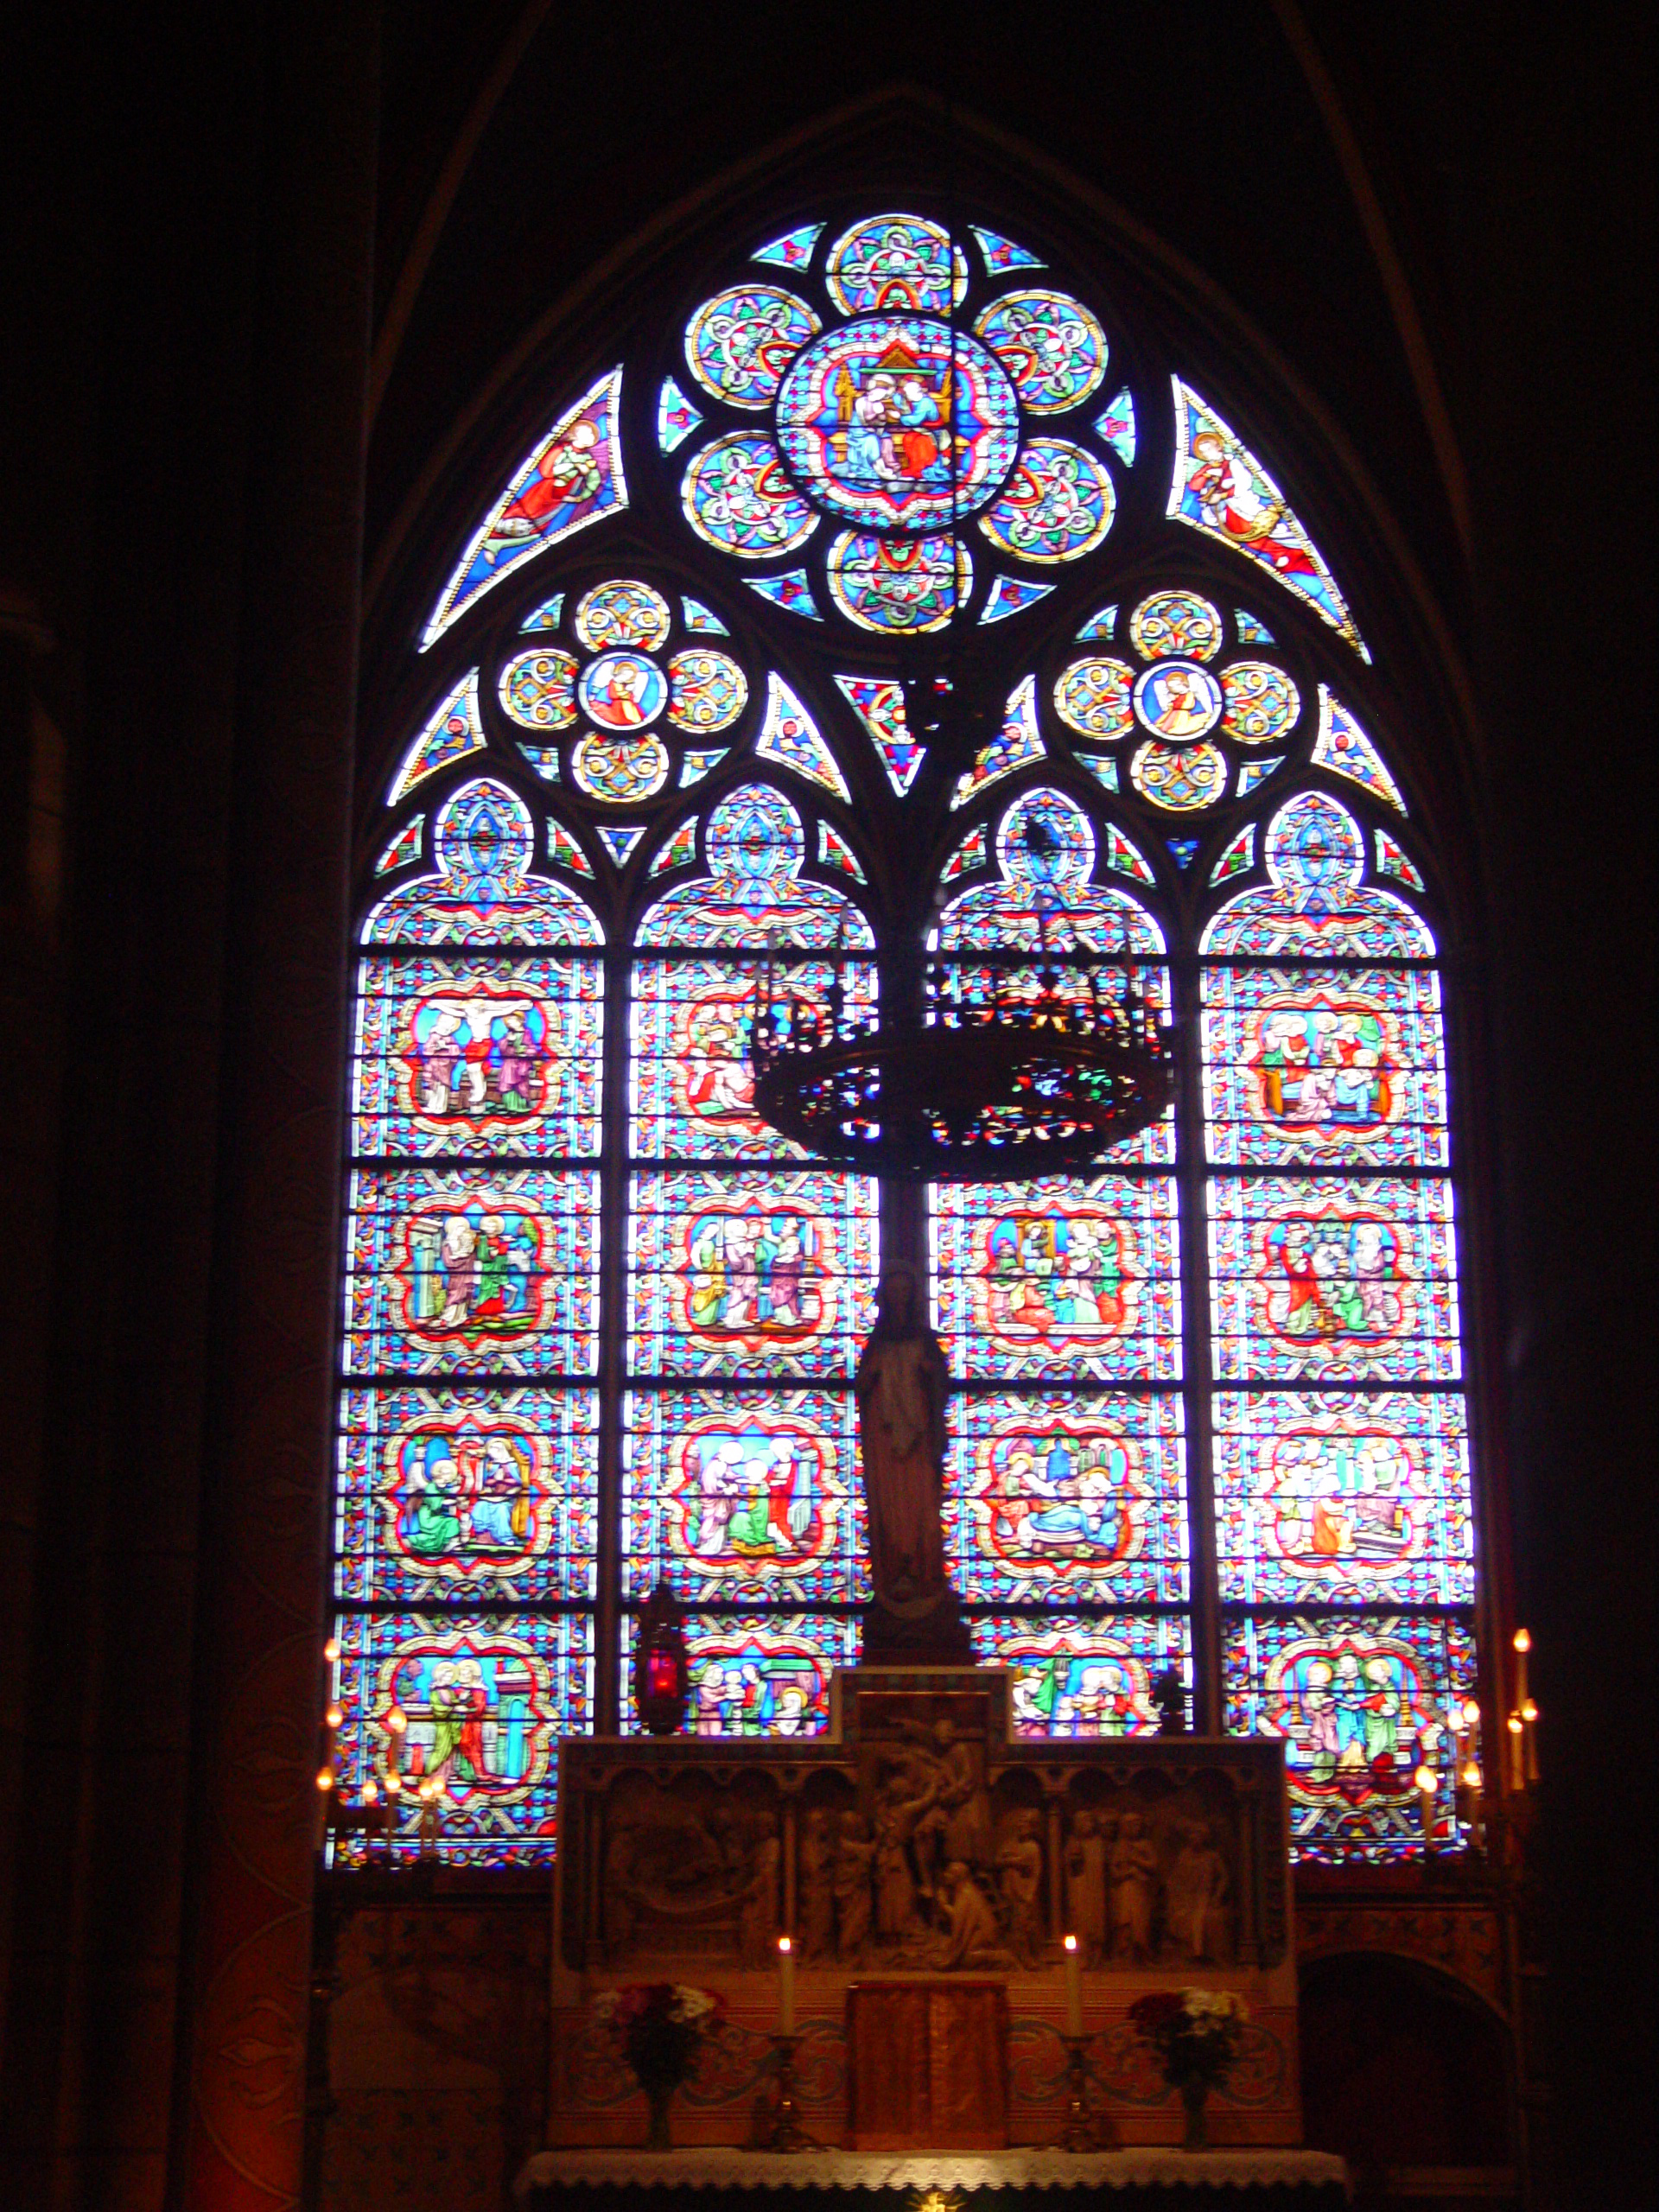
[
  {"x": 931, "y": 1632},
  {"x": 920, "y": 1842}
]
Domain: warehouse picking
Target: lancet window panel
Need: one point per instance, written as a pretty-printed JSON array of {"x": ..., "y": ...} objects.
[
  {"x": 757, "y": 1674},
  {"x": 1090, "y": 1676}
]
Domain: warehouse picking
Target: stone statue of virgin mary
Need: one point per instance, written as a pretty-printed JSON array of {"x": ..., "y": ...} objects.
[{"x": 901, "y": 1384}]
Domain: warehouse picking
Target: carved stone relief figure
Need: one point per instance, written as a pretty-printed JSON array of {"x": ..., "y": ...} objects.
[
  {"x": 815, "y": 1884},
  {"x": 970, "y": 1937},
  {"x": 1085, "y": 1886},
  {"x": 1020, "y": 1877},
  {"x": 1135, "y": 1889},
  {"x": 757, "y": 1916},
  {"x": 854, "y": 1854},
  {"x": 1196, "y": 1886}
]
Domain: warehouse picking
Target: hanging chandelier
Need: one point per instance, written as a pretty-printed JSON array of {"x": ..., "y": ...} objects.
[{"x": 991, "y": 1064}]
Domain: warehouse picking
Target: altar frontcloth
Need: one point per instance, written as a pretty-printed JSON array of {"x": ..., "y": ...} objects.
[{"x": 1317, "y": 2177}]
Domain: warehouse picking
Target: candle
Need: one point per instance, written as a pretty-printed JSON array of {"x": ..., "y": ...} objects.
[
  {"x": 1529, "y": 1737},
  {"x": 1517, "y": 1778},
  {"x": 1522, "y": 1645},
  {"x": 785, "y": 1987},
  {"x": 1073, "y": 1988},
  {"x": 1427, "y": 1782}
]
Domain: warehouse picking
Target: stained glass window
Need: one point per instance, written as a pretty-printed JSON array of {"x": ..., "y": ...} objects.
[{"x": 600, "y": 1323}]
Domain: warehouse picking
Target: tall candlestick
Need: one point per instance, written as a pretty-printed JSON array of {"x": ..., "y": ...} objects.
[
  {"x": 1529, "y": 1737},
  {"x": 785, "y": 1987},
  {"x": 1517, "y": 1776},
  {"x": 1073, "y": 1988},
  {"x": 1522, "y": 1645}
]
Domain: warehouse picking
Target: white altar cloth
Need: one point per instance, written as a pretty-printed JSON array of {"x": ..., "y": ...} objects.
[{"x": 722, "y": 2168}]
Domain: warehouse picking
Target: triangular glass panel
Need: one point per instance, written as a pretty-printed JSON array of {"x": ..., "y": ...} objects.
[
  {"x": 1221, "y": 488},
  {"x": 1122, "y": 856},
  {"x": 562, "y": 847},
  {"x": 1019, "y": 743},
  {"x": 1390, "y": 860},
  {"x": 620, "y": 841},
  {"x": 1183, "y": 849},
  {"x": 791, "y": 590},
  {"x": 699, "y": 618},
  {"x": 835, "y": 852},
  {"x": 1011, "y": 596},
  {"x": 547, "y": 615},
  {"x": 1106, "y": 770},
  {"x": 679, "y": 852},
  {"x": 793, "y": 250},
  {"x": 1257, "y": 771},
  {"x": 879, "y": 705},
  {"x": 404, "y": 847},
  {"x": 1116, "y": 427},
  {"x": 790, "y": 738},
  {"x": 676, "y": 417},
  {"x": 1345, "y": 750},
  {"x": 695, "y": 765},
  {"x": 571, "y": 477},
  {"x": 1239, "y": 856},
  {"x": 1099, "y": 625},
  {"x": 969, "y": 854},
  {"x": 454, "y": 732},
  {"x": 543, "y": 759},
  {"x": 1002, "y": 254},
  {"x": 1250, "y": 632}
]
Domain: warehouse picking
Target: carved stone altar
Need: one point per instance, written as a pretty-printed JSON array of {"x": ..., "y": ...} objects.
[{"x": 919, "y": 1839}]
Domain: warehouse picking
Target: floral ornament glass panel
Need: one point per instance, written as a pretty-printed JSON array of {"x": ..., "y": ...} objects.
[
  {"x": 743, "y": 1496},
  {"x": 1262, "y": 703},
  {"x": 476, "y": 1495},
  {"x": 1093, "y": 697},
  {"x": 1338, "y": 1498},
  {"x": 483, "y": 841},
  {"x": 1057, "y": 506},
  {"x": 1361, "y": 1704},
  {"x": 753, "y": 895},
  {"x": 898, "y": 583},
  {"x": 1317, "y": 906},
  {"x": 898, "y": 422},
  {"x": 453, "y": 732},
  {"x": 707, "y": 691},
  {"x": 1051, "y": 345},
  {"x": 1176, "y": 623},
  {"x": 740, "y": 343},
  {"x": 756, "y": 1677},
  {"x": 896, "y": 260},
  {"x": 737, "y": 497},
  {"x": 539, "y": 689},
  {"x": 1181, "y": 777},
  {"x": 1074, "y": 1677},
  {"x": 620, "y": 770},
  {"x": 622, "y": 614},
  {"x": 1058, "y": 1496},
  {"x": 1344, "y": 748}
]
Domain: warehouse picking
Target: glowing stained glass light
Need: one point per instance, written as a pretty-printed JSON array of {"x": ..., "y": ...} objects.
[
  {"x": 1011, "y": 596},
  {"x": 1316, "y": 905},
  {"x": 1074, "y": 1676},
  {"x": 453, "y": 732},
  {"x": 1238, "y": 857},
  {"x": 834, "y": 851},
  {"x": 1262, "y": 703},
  {"x": 1049, "y": 344},
  {"x": 677, "y": 418},
  {"x": 889, "y": 262},
  {"x": 547, "y": 616},
  {"x": 483, "y": 843},
  {"x": 1019, "y": 742},
  {"x": 1123, "y": 857},
  {"x": 754, "y": 895},
  {"x": 679, "y": 852},
  {"x": 1045, "y": 856},
  {"x": 1099, "y": 624},
  {"x": 1057, "y": 506},
  {"x": 790, "y": 738},
  {"x": 571, "y": 478},
  {"x": 1251, "y": 631},
  {"x": 878, "y": 702},
  {"x": 896, "y": 584},
  {"x": 1222, "y": 489},
  {"x": 1391, "y": 859},
  {"x": 792, "y": 591},
  {"x": 1257, "y": 772},
  {"x": 739, "y": 344},
  {"x": 1093, "y": 696},
  {"x": 750, "y": 1677},
  {"x": 1343, "y": 746},
  {"x": 620, "y": 841},
  {"x": 1002, "y": 254},
  {"x": 404, "y": 848},
  {"x": 793, "y": 250},
  {"x": 1116, "y": 427},
  {"x": 1104, "y": 771},
  {"x": 699, "y": 620},
  {"x": 739, "y": 498}
]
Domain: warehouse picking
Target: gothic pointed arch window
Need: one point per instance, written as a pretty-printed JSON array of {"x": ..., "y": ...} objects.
[{"x": 599, "y": 1321}]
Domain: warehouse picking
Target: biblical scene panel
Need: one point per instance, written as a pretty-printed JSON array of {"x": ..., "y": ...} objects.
[
  {"x": 1062, "y": 1496},
  {"x": 1059, "y": 1276},
  {"x": 756, "y": 1677},
  {"x": 1321, "y": 1275},
  {"x": 743, "y": 1496},
  {"x": 742, "y": 1271},
  {"x": 1085, "y": 1677},
  {"x": 484, "y": 1699},
  {"x": 469, "y": 1054},
  {"x": 693, "y": 1095},
  {"x": 471, "y": 1495},
  {"x": 1341, "y": 1499},
  {"x": 1339, "y": 1065},
  {"x": 459, "y": 1269},
  {"x": 1362, "y": 1705}
]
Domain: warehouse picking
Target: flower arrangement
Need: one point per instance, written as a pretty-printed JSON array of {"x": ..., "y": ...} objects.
[
  {"x": 660, "y": 2027},
  {"x": 1196, "y": 2034}
]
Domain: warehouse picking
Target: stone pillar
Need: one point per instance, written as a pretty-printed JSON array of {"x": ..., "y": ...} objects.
[{"x": 239, "y": 2112}]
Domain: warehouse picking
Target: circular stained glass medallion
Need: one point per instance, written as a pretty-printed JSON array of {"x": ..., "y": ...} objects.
[
  {"x": 1172, "y": 622},
  {"x": 738, "y": 496},
  {"x": 896, "y": 260},
  {"x": 622, "y": 614},
  {"x": 622, "y": 691},
  {"x": 869, "y": 413},
  {"x": 1183, "y": 777},
  {"x": 1177, "y": 699},
  {"x": 707, "y": 691},
  {"x": 1262, "y": 702},
  {"x": 1092, "y": 697},
  {"x": 1050, "y": 344},
  {"x": 896, "y": 584},
  {"x": 740, "y": 342},
  {"x": 1057, "y": 506},
  {"x": 620, "y": 769},
  {"x": 539, "y": 690}
]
